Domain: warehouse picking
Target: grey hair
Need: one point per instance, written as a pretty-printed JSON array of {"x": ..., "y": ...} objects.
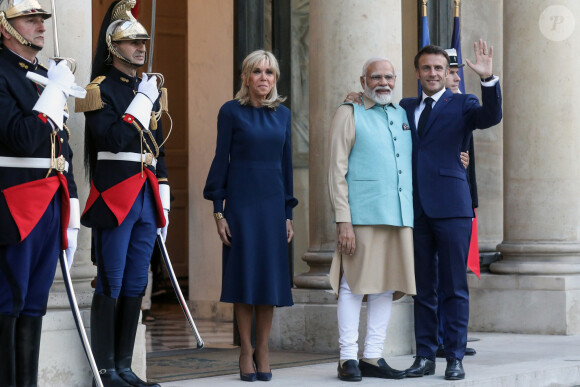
[{"x": 373, "y": 60}]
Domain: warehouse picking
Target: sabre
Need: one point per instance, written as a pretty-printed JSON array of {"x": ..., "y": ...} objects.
[
  {"x": 77, "y": 317},
  {"x": 177, "y": 289},
  {"x": 152, "y": 41},
  {"x": 150, "y": 72}
]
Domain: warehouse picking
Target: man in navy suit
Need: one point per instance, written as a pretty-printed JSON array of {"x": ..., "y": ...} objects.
[{"x": 441, "y": 124}]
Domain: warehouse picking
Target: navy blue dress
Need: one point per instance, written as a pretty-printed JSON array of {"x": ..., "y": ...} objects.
[{"x": 252, "y": 173}]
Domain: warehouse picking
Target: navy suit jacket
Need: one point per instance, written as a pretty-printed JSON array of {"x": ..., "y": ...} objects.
[{"x": 440, "y": 187}]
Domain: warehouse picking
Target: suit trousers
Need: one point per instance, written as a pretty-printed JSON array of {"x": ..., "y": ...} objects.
[
  {"x": 378, "y": 315},
  {"x": 441, "y": 249}
]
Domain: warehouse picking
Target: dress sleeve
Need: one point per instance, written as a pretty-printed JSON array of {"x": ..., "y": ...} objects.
[
  {"x": 291, "y": 201},
  {"x": 216, "y": 183}
]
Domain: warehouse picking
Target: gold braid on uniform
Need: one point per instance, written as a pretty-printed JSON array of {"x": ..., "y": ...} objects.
[
  {"x": 67, "y": 130},
  {"x": 93, "y": 100}
]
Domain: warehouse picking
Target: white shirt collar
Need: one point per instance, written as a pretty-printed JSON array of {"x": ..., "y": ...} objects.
[{"x": 435, "y": 96}]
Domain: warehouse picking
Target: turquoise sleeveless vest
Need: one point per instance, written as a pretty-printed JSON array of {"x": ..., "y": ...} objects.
[{"x": 380, "y": 184}]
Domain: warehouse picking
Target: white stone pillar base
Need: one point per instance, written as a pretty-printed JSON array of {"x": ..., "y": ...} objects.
[
  {"x": 62, "y": 359},
  {"x": 311, "y": 325},
  {"x": 530, "y": 304},
  {"x": 537, "y": 258}
]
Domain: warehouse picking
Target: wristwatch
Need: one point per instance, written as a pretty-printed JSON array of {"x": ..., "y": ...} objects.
[
  {"x": 487, "y": 79},
  {"x": 218, "y": 215}
]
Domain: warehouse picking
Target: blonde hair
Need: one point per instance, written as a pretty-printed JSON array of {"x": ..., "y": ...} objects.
[{"x": 273, "y": 99}]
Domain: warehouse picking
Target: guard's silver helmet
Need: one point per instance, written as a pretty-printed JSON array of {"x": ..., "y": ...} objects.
[
  {"x": 124, "y": 27},
  {"x": 10, "y": 9}
]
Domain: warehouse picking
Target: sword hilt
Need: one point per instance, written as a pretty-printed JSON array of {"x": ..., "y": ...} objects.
[
  {"x": 72, "y": 64},
  {"x": 159, "y": 76}
]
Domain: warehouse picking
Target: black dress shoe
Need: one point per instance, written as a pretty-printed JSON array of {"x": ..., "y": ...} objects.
[
  {"x": 469, "y": 351},
  {"x": 454, "y": 370},
  {"x": 349, "y": 371},
  {"x": 421, "y": 366},
  {"x": 381, "y": 371}
]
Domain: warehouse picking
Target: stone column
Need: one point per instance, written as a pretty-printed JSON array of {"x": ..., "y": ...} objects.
[
  {"x": 343, "y": 35},
  {"x": 536, "y": 288},
  {"x": 476, "y": 20},
  {"x": 206, "y": 95}
]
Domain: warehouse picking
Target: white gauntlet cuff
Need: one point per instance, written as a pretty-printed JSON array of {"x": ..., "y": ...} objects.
[{"x": 141, "y": 108}]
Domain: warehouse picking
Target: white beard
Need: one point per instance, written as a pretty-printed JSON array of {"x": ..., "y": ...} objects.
[{"x": 381, "y": 99}]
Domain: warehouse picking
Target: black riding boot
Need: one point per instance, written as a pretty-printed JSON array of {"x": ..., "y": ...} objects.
[
  {"x": 103, "y": 340},
  {"x": 7, "y": 352},
  {"x": 128, "y": 309},
  {"x": 27, "y": 344}
]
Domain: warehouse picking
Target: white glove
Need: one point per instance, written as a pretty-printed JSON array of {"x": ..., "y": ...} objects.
[
  {"x": 61, "y": 75},
  {"x": 71, "y": 234},
  {"x": 148, "y": 86},
  {"x": 53, "y": 98},
  {"x": 165, "y": 196},
  {"x": 163, "y": 231},
  {"x": 142, "y": 103}
]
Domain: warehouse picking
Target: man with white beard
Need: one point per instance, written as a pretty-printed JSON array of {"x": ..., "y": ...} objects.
[{"x": 371, "y": 192}]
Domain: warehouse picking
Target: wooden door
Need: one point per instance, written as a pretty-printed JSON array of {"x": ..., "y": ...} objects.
[{"x": 170, "y": 59}]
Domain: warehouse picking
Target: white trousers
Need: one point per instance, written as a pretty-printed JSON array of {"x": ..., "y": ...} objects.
[{"x": 378, "y": 315}]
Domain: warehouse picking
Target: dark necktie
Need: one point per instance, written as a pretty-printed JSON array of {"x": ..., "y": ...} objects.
[{"x": 424, "y": 116}]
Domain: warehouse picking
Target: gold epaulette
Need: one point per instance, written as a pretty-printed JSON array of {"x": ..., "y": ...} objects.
[
  {"x": 43, "y": 66},
  {"x": 93, "y": 99}
]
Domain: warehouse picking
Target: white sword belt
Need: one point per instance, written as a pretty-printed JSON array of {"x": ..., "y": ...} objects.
[
  {"x": 145, "y": 158},
  {"x": 34, "y": 162}
]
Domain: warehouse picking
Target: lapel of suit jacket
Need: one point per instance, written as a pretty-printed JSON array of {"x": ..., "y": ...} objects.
[{"x": 439, "y": 106}]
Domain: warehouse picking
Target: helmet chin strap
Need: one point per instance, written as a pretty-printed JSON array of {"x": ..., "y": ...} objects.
[
  {"x": 116, "y": 53},
  {"x": 127, "y": 61}
]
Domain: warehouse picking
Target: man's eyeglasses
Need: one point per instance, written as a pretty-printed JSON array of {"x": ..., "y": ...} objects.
[{"x": 388, "y": 77}]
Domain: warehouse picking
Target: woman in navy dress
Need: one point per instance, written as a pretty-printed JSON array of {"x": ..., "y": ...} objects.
[{"x": 252, "y": 173}]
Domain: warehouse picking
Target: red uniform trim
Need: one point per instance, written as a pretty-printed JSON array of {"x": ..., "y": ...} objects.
[
  {"x": 128, "y": 118},
  {"x": 155, "y": 186},
  {"x": 473, "y": 257},
  {"x": 64, "y": 209},
  {"x": 43, "y": 117},
  {"x": 93, "y": 196},
  {"x": 28, "y": 202},
  {"x": 120, "y": 197}
]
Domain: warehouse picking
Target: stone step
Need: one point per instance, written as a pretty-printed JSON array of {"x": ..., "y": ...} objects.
[{"x": 509, "y": 360}]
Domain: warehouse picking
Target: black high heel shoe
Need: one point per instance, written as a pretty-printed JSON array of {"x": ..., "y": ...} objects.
[
  {"x": 251, "y": 377},
  {"x": 263, "y": 376}
]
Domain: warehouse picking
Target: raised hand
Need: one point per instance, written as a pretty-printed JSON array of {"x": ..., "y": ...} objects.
[{"x": 483, "y": 59}]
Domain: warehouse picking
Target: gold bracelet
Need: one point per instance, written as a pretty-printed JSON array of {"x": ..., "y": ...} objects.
[{"x": 218, "y": 215}]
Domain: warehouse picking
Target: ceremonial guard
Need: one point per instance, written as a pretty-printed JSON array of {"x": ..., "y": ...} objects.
[
  {"x": 39, "y": 210},
  {"x": 129, "y": 198}
]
